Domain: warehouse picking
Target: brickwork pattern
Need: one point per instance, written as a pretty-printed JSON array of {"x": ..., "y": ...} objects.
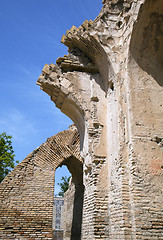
[
  {"x": 110, "y": 85},
  {"x": 26, "y": 194},
  {"x": 115, "y": 100}
]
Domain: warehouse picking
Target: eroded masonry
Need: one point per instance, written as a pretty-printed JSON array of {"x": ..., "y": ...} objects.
[
  {"x": 111, "y": 85},
  {"x": 27, "y": 193}
]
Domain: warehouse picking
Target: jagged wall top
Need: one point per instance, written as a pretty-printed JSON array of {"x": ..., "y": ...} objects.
[{"x": 118, "y": 4}]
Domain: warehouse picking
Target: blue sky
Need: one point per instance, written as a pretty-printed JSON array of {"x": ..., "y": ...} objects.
[{"x": 31, "y": 31}]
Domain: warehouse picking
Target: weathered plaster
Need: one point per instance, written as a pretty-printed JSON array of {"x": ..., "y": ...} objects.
[
  {"x": 110, "y": 85},
  {"x": 116, "y": 105}
]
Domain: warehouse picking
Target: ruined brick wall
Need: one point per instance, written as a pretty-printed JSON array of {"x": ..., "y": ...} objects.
[
  {"x": 26, "y": 194},
  {"x": 111, "y": 85}
]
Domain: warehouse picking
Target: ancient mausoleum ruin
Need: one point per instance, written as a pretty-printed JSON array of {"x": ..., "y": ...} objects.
[
  {"x": 111, "y": 85},
  {"x": 27, "y": 193}
]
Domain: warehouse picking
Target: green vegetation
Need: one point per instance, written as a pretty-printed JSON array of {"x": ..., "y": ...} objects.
[
  {"x": 6, "y": 155},
  {"x": 64, "y": 184}
]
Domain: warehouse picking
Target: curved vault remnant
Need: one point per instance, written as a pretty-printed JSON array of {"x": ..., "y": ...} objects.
[
  {"x": 79, "y": 82},
  {"x": 147, "y": 39},
  {"x": 110, "y": 85},
  {"x": 26, "y": 194},
  {"x": 104, "y": 86}
]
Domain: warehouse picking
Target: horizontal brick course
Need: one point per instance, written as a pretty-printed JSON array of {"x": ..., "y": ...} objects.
[{"x": 26, "y": 194}]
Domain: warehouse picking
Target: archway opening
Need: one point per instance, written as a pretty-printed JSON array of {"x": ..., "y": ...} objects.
[
  {"x": 68, "y": 210},
  {"x": 59, "y": 174},
  {"x": 58, "y": 203}
]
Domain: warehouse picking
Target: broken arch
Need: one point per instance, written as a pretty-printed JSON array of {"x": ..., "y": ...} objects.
[{"x": 27, "y": 192}]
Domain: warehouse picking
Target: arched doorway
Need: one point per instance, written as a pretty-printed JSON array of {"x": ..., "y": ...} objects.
[
  {"x": 73, "y": 200},
  {"x": 27, "y": 193},
  {"x": 67, "y": 153}
]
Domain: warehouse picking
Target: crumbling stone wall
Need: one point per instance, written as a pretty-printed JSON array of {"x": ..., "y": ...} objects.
[
  {"x": 27, "y": 193},
  {"x": 110, "y": 85},
  {"x": 68, "y": 210}
]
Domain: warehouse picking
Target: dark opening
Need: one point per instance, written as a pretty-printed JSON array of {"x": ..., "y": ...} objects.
[
  {"x": 76, "y": 168},
  {"x": 73, "y": 201}
]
